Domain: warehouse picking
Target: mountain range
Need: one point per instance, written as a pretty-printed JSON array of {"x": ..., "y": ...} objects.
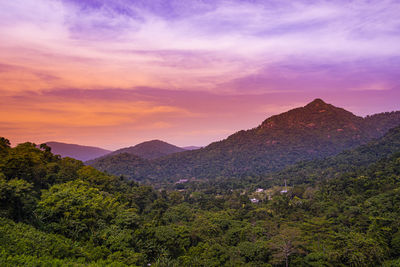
[
  {"x": 79, "y": 152},
  {"x": 315, "y": 131},
  {"x": 147, "y": 150},
  {"x": 337, "y": 211}
]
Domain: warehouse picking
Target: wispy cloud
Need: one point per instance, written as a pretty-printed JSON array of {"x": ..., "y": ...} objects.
[
  {"x": 191, "y": 44},
  {"x": 205, "y": 57}
]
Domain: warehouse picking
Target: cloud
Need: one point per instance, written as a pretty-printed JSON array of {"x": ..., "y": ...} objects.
[
  {"x": 46, "y": 109},
  {"x": 189, "y": 45},
  {"x": 18, "y": 78},
  {"x": 303, "y": 74},
  {"x": 159, "y": 68}
]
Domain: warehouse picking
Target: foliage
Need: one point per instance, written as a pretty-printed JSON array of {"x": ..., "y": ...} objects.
[
  {"x": 347, "y": 161},
  {"x": 17, "y": 199},
  {"x": 58, "y": 212},
  {"x": 76, "y": 210}
]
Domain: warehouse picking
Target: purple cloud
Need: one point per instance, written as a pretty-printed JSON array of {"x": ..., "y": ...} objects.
[{"x": 223, "y": 64}]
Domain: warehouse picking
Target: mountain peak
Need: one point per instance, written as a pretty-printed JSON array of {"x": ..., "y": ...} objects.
[
  {"x": 154, "y": 141},
  {"x": 318, "y": 102},
  {"x": 315, "y": 116},
  {"x": 150, "y": 149}
]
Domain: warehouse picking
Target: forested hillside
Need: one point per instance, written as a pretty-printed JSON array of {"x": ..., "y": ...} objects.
[
  {"x": 347, "y": 161},
  {"x": 306, "y": 172},
  {"x": 315, "y": 131},
  {"x": 57, "y": 212},
  {"x": 120, "y": 164}
]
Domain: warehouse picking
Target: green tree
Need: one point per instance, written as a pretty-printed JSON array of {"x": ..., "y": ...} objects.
[
  {"x": 76, "y": 209},
  {"x": 17, "y": 199},
  {"x": 285, "y": 243},
  {"x": 5, "y": 146}
]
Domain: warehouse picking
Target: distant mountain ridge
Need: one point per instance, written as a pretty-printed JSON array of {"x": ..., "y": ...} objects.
[
  {"x": 128, "y": 160},
  {"x": 147, "y": 150},
  {"x": 191, "y": 147},
  {"x": 150, "y": 149},
  {"x": 79, "y": 152},
  {"x": 314, "y": 131}
]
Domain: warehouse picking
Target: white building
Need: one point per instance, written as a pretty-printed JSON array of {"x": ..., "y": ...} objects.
[{"x": 254, "y": 200}]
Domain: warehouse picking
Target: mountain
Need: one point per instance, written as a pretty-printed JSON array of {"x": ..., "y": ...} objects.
[
  {"x": 191, "y": 147},
  {"x": 308, "y": 173},
  {"x": 150, "y": 150},
  {"x": 347, "y": 161},
  {"x": 317, "y": 130},
  {"x": 119, "y": 164},
  {"x": 131, "y": 159},
  {"x": 76, "y": 151}
]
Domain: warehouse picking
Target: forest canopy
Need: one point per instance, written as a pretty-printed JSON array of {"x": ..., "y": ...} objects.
[{"x": 57, "y": 211}]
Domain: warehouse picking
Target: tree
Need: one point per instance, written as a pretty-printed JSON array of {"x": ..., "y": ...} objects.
[
  {"x": 285, "y": 243},
  {"x": 4, "y": 145},
  {"x": 76, "y": 209},
  {"x": 17, "y": 199},
  {"x": 29, "y": 163}
]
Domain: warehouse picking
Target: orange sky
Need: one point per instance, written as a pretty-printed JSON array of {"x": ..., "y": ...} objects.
[{"x": 116, "y": 73}]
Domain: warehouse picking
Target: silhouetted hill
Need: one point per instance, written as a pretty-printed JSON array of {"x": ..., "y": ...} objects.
[
  {"x": 150, "y": 150},
  {"x": 76, "y": 151},
  {"x": 314, "y": 131}
]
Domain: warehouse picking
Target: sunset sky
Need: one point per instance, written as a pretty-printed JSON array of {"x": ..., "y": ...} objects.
[{"x": 116, "y": 73}]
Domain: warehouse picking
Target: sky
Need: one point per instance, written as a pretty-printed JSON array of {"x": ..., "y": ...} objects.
[{"x": 189, "y": 72}]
